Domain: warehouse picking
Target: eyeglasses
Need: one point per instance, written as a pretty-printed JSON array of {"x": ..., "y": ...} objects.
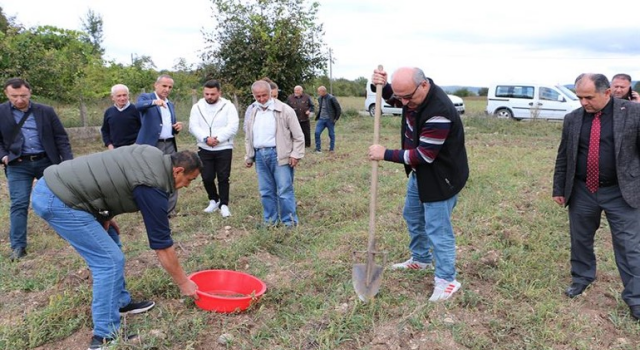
[{"x": 410, "y": 96}]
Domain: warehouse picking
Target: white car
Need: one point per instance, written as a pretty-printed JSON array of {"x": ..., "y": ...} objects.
[
  {"x": 530, "y": 101},
  {"x": 370, "y": 104}
]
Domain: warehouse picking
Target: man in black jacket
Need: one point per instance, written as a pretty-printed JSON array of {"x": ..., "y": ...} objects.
[
  {"x": 435, "y": 158},
  {"x": 31, "y": 138},
  {"x": 328, "y": 114}
]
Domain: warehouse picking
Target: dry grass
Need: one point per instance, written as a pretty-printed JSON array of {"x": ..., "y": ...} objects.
[{"x": 513, "y": 261}]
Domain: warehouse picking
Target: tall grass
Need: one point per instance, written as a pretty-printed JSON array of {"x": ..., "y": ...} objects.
[{"x": 512, "y": 248}]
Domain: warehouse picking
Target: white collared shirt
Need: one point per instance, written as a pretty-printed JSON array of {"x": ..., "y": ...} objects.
[
  {"x": 123, "y": 108},
  {"x": 264, "y": 127},
  {"x": 167, "y": 127}
]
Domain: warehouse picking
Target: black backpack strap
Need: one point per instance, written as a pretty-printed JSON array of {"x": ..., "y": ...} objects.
[{"x": 15, "y": 132}]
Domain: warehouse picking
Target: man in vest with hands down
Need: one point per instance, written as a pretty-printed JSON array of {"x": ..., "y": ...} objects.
[{"x": 79, "y": 199}]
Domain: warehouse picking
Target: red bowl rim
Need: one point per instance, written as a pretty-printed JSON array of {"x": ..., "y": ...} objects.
[{"x": 257, "y": 294}]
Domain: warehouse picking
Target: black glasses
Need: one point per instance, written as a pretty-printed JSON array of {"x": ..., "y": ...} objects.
[{"x": 410, "y": 96}]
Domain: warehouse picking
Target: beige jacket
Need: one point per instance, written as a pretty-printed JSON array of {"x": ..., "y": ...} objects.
[{"x": 289, "y": 136}]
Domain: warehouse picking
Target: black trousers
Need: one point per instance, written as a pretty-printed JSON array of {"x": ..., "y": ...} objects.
[
  {"x": 585, "y": 210},
  {"x": 306, "y": 130},
  {"x": 216, "y": 164}
]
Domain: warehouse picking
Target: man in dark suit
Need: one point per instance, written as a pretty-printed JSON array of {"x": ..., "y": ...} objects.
[
  {"x": 159, "y": 124},
  {"x": 598, "y": 169},
  {"x": 26, "y": 152}
]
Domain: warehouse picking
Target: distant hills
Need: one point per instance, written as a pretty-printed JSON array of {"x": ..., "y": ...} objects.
[{"x": 452, "y": 88}]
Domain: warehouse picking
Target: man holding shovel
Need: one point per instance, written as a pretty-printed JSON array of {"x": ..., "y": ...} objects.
[{"x": 435, "y": 160}]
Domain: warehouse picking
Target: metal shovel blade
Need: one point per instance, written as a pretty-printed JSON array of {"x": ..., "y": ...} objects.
[{"x": 366, "y": 284}]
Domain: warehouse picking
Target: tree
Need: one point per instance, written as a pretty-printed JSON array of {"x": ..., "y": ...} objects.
[
  {"x": 278, "y": 39},
  {"x": 483, "y": 91},
  {"x": 4, "y": 21},
  {"x": 637, "y": 87},
  {"x": 50, "y": 58},
  {"x": 463, "y": 92},
  {"x": 92, "y": 25}
]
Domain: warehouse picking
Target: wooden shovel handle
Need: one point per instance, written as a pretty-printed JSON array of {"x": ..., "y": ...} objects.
[{"x": 374, "y": 169}]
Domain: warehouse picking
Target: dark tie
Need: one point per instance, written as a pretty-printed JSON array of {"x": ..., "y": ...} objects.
[{"x": 593, "y": 169}]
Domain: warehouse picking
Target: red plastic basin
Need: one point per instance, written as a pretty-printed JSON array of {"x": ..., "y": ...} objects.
[{"x": 227, "y": 291}]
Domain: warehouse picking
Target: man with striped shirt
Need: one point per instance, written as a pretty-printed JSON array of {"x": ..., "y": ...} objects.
[{"x": 435, "y": 160}]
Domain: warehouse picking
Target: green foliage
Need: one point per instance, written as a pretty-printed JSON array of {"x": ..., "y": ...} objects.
[
  {"x": 483, "y": 91},
  {"x": 4, "y": 22},
  {"x": 92, "y": 25},
  {"x": 463, "y": 92},
  {"x": 50, "y": 58},
  {"x": 253, "y": 39},
  {"x": 636, "y": 87}
]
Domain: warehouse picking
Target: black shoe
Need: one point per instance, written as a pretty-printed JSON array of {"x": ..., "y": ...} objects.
[
  {"x": 575, "y": 289},
  {"x": 635, "y": 312},
  {"x": 17, "y": 254},
  {"x": 100, "y": 343},
  {"x": 137, "y": 307}
]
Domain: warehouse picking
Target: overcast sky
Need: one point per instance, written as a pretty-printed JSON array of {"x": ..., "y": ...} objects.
[{"x": 462, "y": 42}]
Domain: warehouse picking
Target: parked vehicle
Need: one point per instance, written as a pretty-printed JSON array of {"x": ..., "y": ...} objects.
[
  {"x": 530, "y": 101},
  {"x": 370, "y": 103}
]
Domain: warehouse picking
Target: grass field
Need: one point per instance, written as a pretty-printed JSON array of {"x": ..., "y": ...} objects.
[{"x": 512, "y": 248}]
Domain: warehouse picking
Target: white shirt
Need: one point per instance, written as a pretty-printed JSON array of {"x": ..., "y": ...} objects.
[
  {"x": 167, "y": 127},
  {"x": 264, "y": 128}
]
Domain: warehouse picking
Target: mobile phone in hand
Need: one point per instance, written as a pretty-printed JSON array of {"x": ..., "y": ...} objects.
[{"x": 630, "y": 94}]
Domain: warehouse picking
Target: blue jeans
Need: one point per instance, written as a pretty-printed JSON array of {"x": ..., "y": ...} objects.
[
  {"x": 275, "y": 183},
  {"x": 320, "y": 126},
  {"x": 429, "y": 226},
  {"x": 20, "y": 176},
  {"x": 99, "y": 251}
]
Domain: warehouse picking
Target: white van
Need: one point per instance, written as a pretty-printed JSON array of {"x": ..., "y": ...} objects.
[
  {"x": 530, "y": 101},
  {"x": 370, "y": 103}
]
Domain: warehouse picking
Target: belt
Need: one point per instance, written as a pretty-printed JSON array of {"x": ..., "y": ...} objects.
[
  {"x": 166, "y": 140},
  {"x": 33, "y": 157},
  {"x": 603, "y": 183},
  {"x": 261, "y": 148},
  {"x": 607, "y": 183}
]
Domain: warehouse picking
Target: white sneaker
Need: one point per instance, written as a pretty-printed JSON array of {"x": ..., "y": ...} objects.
[
  {"x": 444, "y": 289},
  {"x": 411, "y": 265},
  {"x": 213, "y": 206},
  {"x": 224, "y": 210}
]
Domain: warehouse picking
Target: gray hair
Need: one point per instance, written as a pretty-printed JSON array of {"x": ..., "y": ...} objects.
[
  {"x": 261, "y": 84},
  {"x": 117, "y": 87},
  {"x": 188, "y": 160},
  {"x": 622, "y": 76},
  {"x": 163, "y": 76},
  {"x": 599, "y": 80},
  {"x": 418, "y": 76}
]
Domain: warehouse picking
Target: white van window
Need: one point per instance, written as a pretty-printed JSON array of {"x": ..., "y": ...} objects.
[
  {"x": 549, "y": 94},
  {"x": 514, "y": 91}
]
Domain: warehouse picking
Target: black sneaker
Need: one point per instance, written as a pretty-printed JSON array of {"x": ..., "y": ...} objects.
[
  {"x": 100, "y": 343},
  {"x": 137, "y": 307},
  {"x": 17, "y": 254}
]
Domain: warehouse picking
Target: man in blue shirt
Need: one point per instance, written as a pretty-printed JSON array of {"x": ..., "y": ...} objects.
[
  {"x": 31, "y": 139},
  {"x": 79, "y": 198}
]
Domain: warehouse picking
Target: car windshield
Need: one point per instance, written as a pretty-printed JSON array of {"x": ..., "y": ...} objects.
[{"x": 567, "y": 92}]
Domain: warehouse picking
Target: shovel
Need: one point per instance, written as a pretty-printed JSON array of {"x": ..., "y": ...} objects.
[{"x": 367, "y": 277}]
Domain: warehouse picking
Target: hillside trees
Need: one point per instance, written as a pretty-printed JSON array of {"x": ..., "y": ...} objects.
[
  {"x": 51, "y": 59},
  {"x": 275, "y": 38}
]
